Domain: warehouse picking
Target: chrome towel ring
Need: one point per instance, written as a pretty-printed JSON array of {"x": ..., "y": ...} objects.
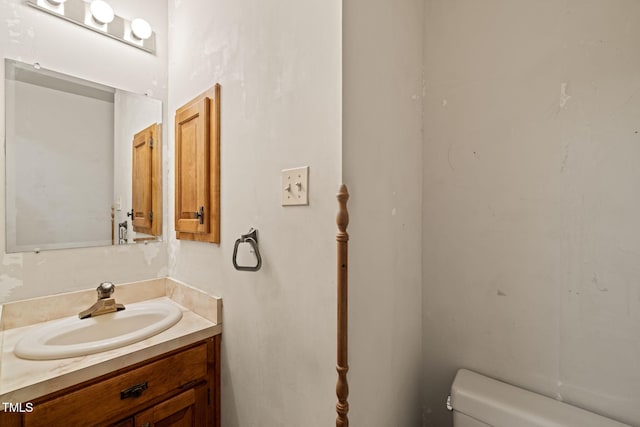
[{"x": 251, "y": 238}]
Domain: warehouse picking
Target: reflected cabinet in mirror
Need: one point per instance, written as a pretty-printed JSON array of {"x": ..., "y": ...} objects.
[{"x": 83, "y": 162}]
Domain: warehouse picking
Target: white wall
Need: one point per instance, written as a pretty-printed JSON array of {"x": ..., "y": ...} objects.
[
  {"x": 279, "y": 67},
  {"x": 531, "y": 202},
  {"x": 382, "y": 165},
  {"x": 33, "y": 36}
]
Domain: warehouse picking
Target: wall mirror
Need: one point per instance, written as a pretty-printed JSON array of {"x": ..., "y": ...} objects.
[{"x": 83, "y": 162}]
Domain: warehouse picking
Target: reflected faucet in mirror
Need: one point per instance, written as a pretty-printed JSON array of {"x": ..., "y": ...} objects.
[{"x": 79, "y": 156}]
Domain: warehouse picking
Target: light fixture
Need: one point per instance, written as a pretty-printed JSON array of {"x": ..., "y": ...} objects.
[
  {"x": 99, "y": 16},
  {"x": 140, "y": 29},
  {"x": 101, "y": 12}
]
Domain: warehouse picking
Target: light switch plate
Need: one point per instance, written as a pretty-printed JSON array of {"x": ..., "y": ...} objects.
[{"x": 295, "y": 186}]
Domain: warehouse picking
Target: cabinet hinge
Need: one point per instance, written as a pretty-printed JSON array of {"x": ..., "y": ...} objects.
[
  {"x": 151, "y": 142},
  {"x": 150, "y": 215}
]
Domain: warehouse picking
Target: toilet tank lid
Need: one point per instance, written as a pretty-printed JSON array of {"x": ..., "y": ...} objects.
[{"x": 502, "y": 405}]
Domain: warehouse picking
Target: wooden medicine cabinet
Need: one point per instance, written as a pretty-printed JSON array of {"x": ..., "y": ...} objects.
[
  {"x": 147, "y": 181},
  {"x": 197, "y": 173}
]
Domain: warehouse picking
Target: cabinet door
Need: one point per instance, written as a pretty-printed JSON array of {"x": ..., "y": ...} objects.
[
  {"x": 141, "y": 191},
  {"x": 192, "y": 167},
  {"x": 179, "y": 411},
  {"x": 146, "y": 191}
]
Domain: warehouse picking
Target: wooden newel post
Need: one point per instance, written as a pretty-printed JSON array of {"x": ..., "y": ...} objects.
[{"x": 342, "y": 386}]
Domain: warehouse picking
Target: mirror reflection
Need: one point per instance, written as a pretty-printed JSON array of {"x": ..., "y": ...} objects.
[{"x": 83, "y": 162}]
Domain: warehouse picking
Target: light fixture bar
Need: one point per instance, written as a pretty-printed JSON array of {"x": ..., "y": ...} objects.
[{"x": 79, "y": 12}]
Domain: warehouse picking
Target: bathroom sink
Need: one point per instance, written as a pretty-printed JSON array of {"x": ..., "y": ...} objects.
[{"x": 72, "y": 337}]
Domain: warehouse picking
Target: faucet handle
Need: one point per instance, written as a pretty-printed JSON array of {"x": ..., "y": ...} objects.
[{"x": 105, "y": 289}]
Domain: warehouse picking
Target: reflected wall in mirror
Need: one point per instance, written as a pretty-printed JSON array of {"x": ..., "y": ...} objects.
[{"x": 71, "y": 149}]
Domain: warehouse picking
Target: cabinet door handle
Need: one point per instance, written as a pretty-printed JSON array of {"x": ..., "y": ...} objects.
[
  {"x": 135, "y": 391},
  {"x": 200, "y": 214}
]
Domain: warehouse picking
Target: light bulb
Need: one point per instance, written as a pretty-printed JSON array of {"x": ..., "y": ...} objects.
[
  {"x": 101, "y": 11},
  {"x": 140, "y": 29}
]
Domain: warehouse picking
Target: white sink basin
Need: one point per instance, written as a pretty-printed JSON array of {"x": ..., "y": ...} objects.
[{"x": 72, "y": 337}]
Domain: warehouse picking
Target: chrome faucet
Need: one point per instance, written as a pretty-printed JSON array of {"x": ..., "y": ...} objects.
[{"x": 105, "y": 303}]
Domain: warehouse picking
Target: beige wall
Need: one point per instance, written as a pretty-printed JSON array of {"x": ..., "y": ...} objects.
[
  {"x": 279, "y": 67},
  {"x": 531, "y": 204},
  {"x": 382, "y": 164},
  {"x": 31, "y": 36}
]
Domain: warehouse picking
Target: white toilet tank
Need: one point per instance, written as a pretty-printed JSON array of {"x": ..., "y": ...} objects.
[{"x": 480, "y": 401}]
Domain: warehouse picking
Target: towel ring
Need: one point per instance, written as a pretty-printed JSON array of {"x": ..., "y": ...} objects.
[{"x": 252, "y": 238}]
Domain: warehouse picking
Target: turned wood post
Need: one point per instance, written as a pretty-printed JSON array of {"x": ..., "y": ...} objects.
[{"x": 342, "y": 386}]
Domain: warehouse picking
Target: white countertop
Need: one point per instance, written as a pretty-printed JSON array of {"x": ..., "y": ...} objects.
[{"x": 24, "y": 380}]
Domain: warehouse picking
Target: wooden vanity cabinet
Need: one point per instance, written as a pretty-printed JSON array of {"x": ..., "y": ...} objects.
[
  {"x": 179, "y": 388},
  {"x": 197, "y": 170}
]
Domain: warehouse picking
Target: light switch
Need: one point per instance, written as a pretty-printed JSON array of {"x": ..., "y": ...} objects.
[{"x": 295, "y": 186}]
